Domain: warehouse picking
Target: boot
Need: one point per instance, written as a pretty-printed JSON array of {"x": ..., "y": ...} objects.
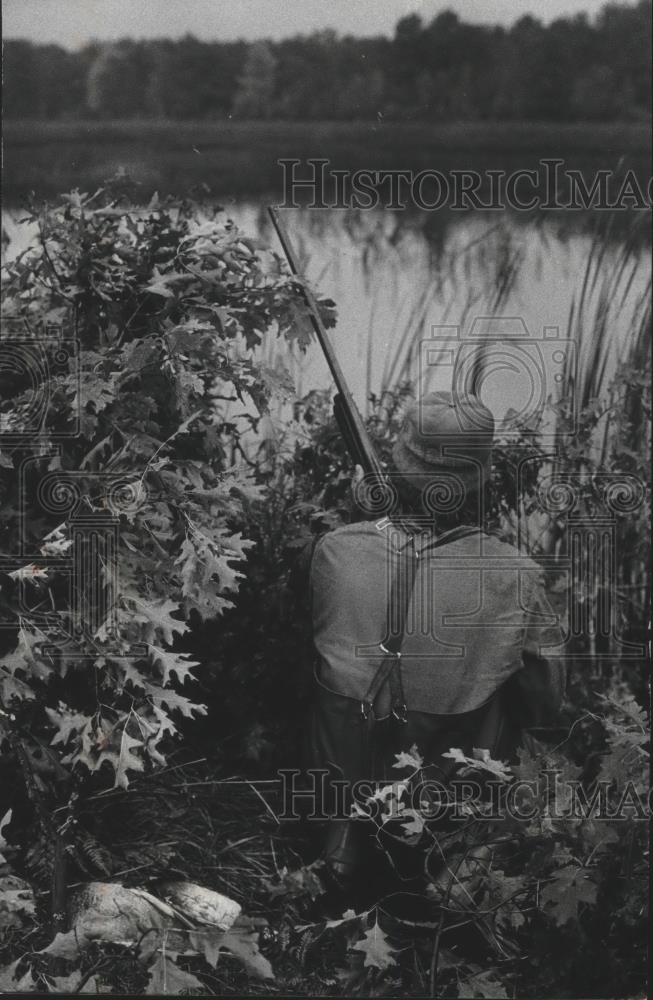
[{"x": 342, "y": 851}]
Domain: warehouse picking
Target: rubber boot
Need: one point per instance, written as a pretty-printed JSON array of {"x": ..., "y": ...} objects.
[{"x": 342, "y": 850}]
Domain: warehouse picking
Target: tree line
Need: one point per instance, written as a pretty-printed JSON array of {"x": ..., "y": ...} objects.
[{"x": 575, "y": 68}]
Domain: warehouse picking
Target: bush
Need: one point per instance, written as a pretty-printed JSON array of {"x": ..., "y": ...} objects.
[{"x": 131, "y": 398}]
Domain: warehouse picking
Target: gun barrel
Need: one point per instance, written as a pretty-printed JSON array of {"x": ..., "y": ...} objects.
[
  {"x": 361, "y": 446},
  {"x": 318, "y": 325}
]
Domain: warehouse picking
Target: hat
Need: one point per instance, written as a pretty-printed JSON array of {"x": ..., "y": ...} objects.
[{"x": 445, "y": 435}]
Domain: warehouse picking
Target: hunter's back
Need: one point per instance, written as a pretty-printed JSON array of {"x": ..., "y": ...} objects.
[{"x": 476, "y": 606}]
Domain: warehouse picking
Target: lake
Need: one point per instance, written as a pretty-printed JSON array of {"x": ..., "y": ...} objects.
[
  {"x": 405, "y": 288},
  {"x": 403, "y": 281}
]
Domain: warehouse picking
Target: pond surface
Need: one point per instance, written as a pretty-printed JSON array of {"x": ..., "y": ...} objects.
[
  {"x": 404, "y": 289},
  {"x": 408, "y": 286}
]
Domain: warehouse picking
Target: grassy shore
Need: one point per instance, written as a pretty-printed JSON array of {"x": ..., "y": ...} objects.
[{"x": 240, "y": 158}]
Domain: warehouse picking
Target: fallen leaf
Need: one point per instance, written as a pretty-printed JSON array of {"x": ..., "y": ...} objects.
[
  {"x": 567, "y": 889},
  {"x": 64, "y": 945},
  {"x": 376, "y": 949},
  {"x": 243, "y": 944},
  {"x": 9, "y": 984},
  {"x": 168, "y": 979},
  {"x": 483, "y": 984},
  {"x": 345, "y": 918}
]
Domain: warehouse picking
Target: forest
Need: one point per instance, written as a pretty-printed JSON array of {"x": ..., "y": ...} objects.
[{"x": 572, "y": 69}]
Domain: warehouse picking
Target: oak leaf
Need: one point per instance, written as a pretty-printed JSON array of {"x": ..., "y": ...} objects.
[
  {"x": 411, "y": 758},
  {"x": 156, "y": 617},
  {"x": 375, "y": 948},
  {"x": 68, "y": 723},
  {"x": 178, "y": 664}
]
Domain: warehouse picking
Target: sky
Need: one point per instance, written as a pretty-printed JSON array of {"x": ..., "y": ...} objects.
[{"x": 72, "y": 23}]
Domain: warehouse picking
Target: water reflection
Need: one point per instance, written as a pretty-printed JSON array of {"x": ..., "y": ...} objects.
[
  {"x": 398, "y": 277},
  {"x": 395, "y": 285}
]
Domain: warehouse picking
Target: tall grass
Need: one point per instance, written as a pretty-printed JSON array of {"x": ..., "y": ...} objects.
[
  {"x": 597, "y": 311},
  {"x": 622, "y": 437},
  {"x": 494, "y": 255}
]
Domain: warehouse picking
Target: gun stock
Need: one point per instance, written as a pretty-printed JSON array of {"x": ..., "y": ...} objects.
[{"x": 346, "y": 412}]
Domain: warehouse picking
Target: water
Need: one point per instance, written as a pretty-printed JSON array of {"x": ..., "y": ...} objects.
[
  {"x": 397, "y": 283},
  {"x": 402, "y": 284}
]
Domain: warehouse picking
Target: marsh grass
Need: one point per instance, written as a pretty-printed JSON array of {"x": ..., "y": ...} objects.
[{"x": 609, "y": 326}]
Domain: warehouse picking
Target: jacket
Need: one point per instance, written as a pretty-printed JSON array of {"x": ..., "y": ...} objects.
[{"x": 478, "y": 617}]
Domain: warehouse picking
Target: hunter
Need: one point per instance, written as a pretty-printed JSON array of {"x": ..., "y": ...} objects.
[{"x": 427, "y": 630}]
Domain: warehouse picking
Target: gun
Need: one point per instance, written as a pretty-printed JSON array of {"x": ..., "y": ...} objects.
[{"x": 345, "y": 411}]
